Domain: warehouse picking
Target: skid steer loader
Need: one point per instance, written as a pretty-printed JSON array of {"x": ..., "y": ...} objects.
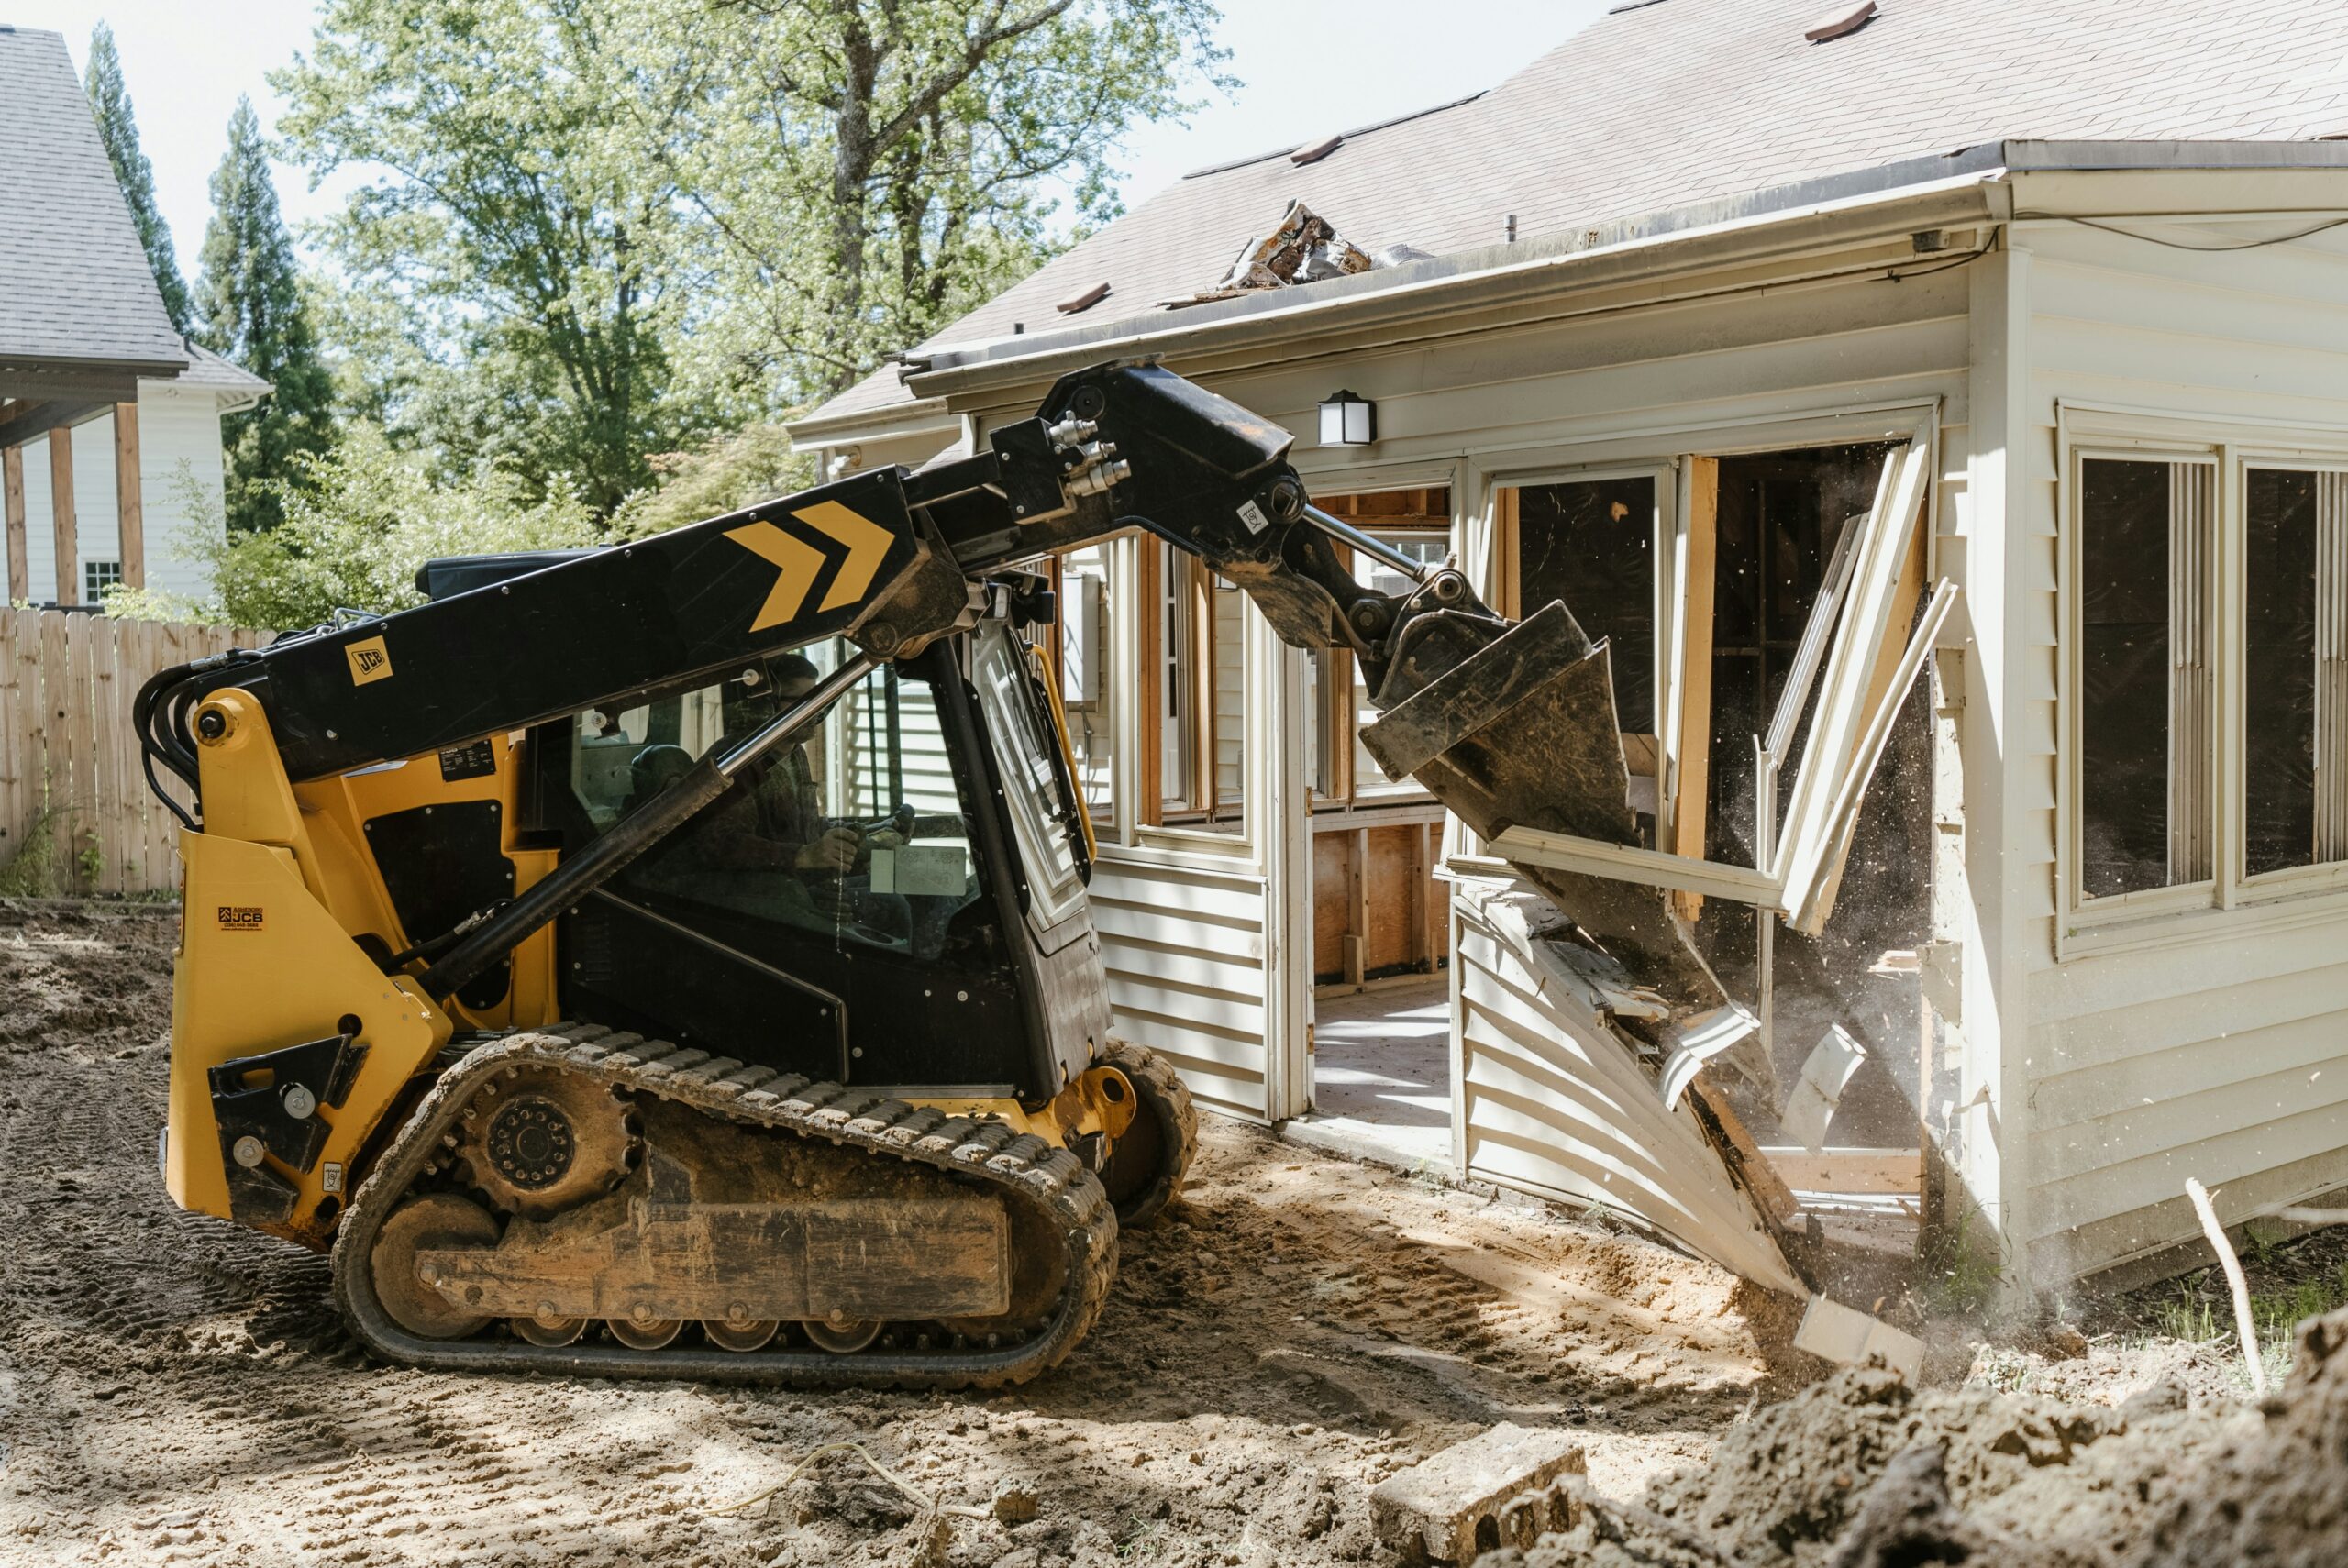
[{"x": 672, "y": 958}]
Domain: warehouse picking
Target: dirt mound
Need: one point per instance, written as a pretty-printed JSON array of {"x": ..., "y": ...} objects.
[
  {"x": 1859, "y": 1472},
  {"x": 2275, "y": 1492}
]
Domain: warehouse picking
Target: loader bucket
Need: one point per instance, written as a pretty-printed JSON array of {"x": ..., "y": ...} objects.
[{"x": 1522, "y": 733}]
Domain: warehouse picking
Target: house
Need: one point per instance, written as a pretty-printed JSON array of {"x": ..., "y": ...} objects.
[
  {"x": 2049, "y": 303},
  {"x": 109, "y": 419}
]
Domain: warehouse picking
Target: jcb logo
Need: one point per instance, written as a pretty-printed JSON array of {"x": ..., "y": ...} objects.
[
  {"x": 241, "y": 917},
  {"x": 370, "y": 660}
]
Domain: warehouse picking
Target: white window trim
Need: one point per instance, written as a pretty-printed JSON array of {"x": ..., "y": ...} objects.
[{"x": 2230, "y": 904}]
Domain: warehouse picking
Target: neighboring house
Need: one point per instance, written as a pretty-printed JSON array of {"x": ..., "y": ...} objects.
[
  {"x": 1695, "y": 281},
  {"x": 109, "y": 420}
]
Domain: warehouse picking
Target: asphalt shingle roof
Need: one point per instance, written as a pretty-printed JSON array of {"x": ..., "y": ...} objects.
[
  {"x": 74, "y": 283},
  {"x": 1689, "y": 101}
]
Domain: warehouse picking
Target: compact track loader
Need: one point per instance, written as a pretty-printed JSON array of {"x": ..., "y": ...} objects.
[{"x": 672, "y": 958}]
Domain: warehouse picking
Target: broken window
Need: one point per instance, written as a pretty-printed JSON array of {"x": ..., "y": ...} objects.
[
  {"x": 1592, "y": 543},
  {"x": 2294, "y": 638},
  {"x": 2147, "y": 535}
]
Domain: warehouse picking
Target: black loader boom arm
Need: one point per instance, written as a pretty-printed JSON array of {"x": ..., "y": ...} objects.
[{"x": 892, "y": 560}]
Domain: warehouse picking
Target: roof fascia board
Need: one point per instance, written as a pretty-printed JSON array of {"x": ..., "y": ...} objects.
[
  {"x": 1468, "y": 298},
  {"x": 906, "y": 420},
  {"x": 2088, "y": 157},
  {"x": 2182, "y": 193},
  {"x": 60, "y": 369}
]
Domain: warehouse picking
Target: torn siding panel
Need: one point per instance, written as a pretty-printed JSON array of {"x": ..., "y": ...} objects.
[{"x": 1554, "y": 1103}]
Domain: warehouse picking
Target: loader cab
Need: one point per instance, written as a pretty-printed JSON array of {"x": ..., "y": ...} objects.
[{"x": 895, "y": 899}]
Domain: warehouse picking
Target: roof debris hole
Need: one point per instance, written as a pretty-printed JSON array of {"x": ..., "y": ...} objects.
[
  {"x": 1843, "y": 19},
  {"x": 1302, "y": 247}
]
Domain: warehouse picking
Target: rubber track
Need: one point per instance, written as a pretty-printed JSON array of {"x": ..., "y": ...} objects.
[{"x": 1023, "y": 1168}]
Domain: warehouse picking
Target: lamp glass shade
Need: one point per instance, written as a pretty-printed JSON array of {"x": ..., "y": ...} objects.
[{"x": 1349, "y": 421}]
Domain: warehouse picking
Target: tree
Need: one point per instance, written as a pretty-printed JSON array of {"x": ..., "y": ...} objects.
[
  {"x": 249, "y": 296},
  {"x": 614, "y": 227},
  {"x": 517, "y": 220},
  {"x": 110, "y": 105},
  {"x": 875, "y": 168}
]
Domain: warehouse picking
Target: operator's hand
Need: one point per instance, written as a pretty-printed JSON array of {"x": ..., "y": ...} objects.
[{"x": 835, "y": 852}]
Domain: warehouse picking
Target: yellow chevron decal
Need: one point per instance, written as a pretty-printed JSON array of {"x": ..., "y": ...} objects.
[
  {"x": 868, "y": 546},
  {"x": 799, "y": 561}
]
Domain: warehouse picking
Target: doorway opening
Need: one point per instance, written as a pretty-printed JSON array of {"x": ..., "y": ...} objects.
[{"x": 1380, "y": 938}]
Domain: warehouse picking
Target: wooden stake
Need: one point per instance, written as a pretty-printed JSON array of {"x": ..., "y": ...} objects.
[{"x": 2244, "y": 1328}]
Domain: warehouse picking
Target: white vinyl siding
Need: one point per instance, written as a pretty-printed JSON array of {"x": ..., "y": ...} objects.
[
  {"x": 2214, "y": 1045},
  {"x": 180, "y": 491}
]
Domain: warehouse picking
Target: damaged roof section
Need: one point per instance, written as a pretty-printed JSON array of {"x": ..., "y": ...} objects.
[{"x": 1302, "y": 247}]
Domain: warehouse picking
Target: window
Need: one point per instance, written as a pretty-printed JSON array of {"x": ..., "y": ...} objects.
[
  {"x": 2147, "y": 592},
  {"x": 1591, "y": 544},
  {"x": 2207, "y": 611},
  {"x": 2295, "y": 669},
  {"x": 1088, "y": 688},
  {"x": 1418, "y": 523},
  {"x": 96, "y": 577}
]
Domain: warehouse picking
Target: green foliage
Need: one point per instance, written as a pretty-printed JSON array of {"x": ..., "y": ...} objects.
[
  {"x": 751, "y": 465},
  {"x": 873, "y": 168},
  {"x": 110, "y": 106},
  {"x": 515, "y": 230},
  {"x": 38, "y": 869},
  {"x": 359, "y": 522},
  {"x": 601, "y": 229},
  {"x": 251, "y": 297}
]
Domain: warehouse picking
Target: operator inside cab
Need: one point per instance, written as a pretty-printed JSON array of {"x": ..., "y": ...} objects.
[{"x": 767, "y": 847}]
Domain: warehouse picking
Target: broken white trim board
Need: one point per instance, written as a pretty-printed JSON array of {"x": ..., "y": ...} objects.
[
  {"x": 1431, "y": 1511},
  {"x": 1705, "y": 1037},
  {"x": 1824, "y": 1074},
  {"x": 1850, "y": 1337}
]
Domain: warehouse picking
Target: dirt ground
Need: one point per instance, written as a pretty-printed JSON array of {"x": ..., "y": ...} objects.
[
  {"x": 1297, "y": 1328},
  {"x": 174, "y": 1389}
]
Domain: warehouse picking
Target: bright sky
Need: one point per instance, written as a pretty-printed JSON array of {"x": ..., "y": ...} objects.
[{"x": 1306, "y": 67}]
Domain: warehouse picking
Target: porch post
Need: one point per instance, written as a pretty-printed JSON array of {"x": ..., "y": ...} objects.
[
  {"x": 12, "y": 486},
  {"x": 130, "y": 509},
  {"x": 60, "y": 506}
]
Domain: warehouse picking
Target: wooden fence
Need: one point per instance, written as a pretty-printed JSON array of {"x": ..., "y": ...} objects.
[{"x": 75, "y": 813}]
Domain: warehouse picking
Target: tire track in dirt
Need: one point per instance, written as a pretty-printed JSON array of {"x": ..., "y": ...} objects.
[{"x": 174, "y": 1389}]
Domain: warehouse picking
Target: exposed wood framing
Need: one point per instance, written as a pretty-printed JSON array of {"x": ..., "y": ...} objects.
[
  {"x": 12, "y": 488},
  {"x": 1692, "y": 795},
  {"x": 60, "y": 506},
  {"x": 130, "y": 508},
  {"x": 1851, "y": 1170}
]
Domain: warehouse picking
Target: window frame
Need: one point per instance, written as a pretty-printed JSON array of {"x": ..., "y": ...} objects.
[{"x": 2231, "y": 903}]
